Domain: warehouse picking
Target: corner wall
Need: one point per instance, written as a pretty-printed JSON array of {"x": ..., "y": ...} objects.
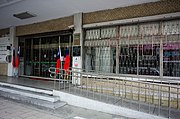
[
  {"x": 4, "y": 66},
  {"x": 3, "y": 69}
]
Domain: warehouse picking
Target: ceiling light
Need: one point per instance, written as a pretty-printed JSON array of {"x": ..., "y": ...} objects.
[{"x": 24, "y": 15}]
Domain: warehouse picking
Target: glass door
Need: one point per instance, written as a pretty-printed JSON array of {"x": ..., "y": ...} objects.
[
  {"x": 48, "y": 49},
  {"x": 28, "y": 57},
  {"x": 41, "y": 53}
]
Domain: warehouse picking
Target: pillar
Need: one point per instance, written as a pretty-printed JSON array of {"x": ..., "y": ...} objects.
[{"x": 77, "y": 48}]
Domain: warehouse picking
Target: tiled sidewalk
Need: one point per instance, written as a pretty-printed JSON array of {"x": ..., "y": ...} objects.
[
  {"x": 10, "y": 109},
  {"x": 13, "y": 110}
]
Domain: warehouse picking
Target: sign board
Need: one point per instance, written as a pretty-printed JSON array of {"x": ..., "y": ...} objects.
[
  {"x": 5, "y": 49},
  {"x": 76, "y": 51},
  {"x": 76, "y": 68},
  {"x": 76, "y": 40},
  {"x": 77, "y": 36}
]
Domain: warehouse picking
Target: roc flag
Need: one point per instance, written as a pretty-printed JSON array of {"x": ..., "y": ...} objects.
[
  {"x": 58, "y": 62},
  {"x": 17, "y": 58},
  {"x": 13, "y": 58},
  {"x": 67, "y": 61}
]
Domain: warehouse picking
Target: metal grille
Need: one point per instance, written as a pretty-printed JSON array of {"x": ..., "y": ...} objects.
[
  {"x": 150, "y": 95},
  {"x": 139, "y": 48}
]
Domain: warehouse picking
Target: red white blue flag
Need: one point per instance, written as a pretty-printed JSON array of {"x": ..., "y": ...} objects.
[
  {"x": 58, "y": 62},
  {"x": 17, "y": 58},
  {"x": 67, "y": 61}
]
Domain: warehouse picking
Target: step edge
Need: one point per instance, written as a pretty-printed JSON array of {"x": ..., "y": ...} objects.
[
  {"x": 27, "y": 88},
  {"x": 35, "y": 96}
]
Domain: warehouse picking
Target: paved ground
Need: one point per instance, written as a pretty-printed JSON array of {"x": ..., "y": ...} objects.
[
  {"x": 10, "y": 109},
  {"x": 71, "y": 112},
  {"x": 13, "y": 110}
]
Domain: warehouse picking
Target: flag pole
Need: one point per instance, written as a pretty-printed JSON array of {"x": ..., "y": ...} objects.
[
  {"x": 19, "y": 61},
  {"x": 13, "y": 61},
  {"x": 60, "y": 55}
]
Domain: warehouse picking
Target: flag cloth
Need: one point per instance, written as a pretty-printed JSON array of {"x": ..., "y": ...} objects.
[
  {"x": 13, "y": 58},
  {"x": 17, "y": 58},
  {"x": 67, "y": 62},
  {"x": 58, "y": 62}
]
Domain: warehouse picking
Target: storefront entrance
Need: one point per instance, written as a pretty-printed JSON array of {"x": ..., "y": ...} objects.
[{"x": 39, "y": 53}]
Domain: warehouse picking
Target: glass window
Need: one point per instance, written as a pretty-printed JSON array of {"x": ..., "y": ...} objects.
[
  {"x": 171, "y": 59},
  {"x": 100, "y": 59},
  {"x": 149, "y": 59},
  {"x": 128, "y": 59}
]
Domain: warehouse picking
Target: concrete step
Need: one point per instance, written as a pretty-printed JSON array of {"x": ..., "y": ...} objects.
[
  {"x": 43, "y": 91},
  {"x": 34, "y": 96}
]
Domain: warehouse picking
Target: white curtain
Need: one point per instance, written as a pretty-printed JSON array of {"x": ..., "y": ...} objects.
[{"x": 104, "y": 59}]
